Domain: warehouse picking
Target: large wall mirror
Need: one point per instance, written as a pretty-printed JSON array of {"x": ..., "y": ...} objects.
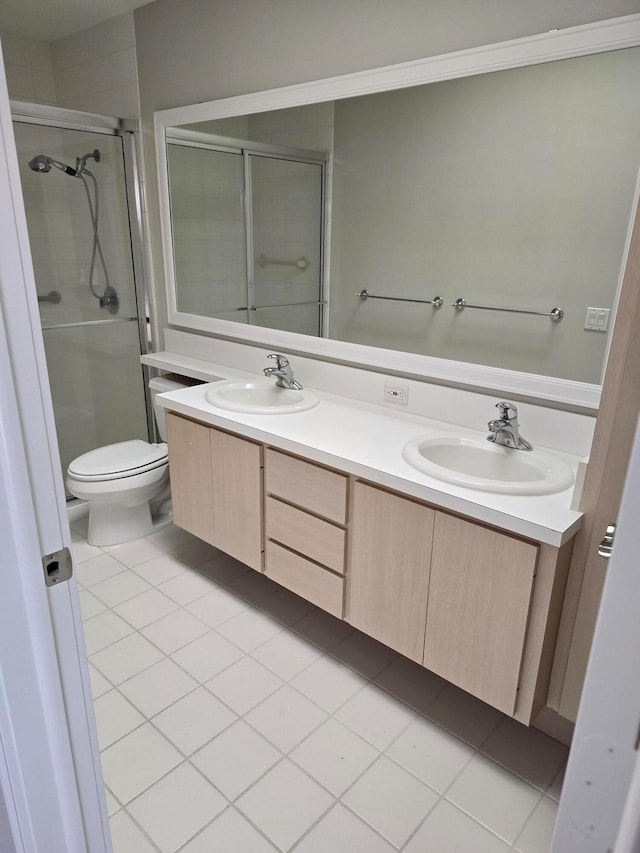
[{"x": 349, "y": 225}]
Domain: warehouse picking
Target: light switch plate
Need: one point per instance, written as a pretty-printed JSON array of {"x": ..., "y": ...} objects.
[{"x": 597, "y": 319}]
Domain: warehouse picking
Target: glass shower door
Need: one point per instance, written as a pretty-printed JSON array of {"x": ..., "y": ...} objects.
[
  {"x": 286, "y": 225},
  {"x": 86, "y": 288}
]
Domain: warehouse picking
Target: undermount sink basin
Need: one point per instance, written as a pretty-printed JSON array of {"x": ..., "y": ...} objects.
[
  {"x": 477, "y": 464},
  {"x": 259, "y": 397}
]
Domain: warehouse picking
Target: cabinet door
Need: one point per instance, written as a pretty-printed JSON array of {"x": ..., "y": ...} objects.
[
  {"x": 388, "y": 575},
  {"x": 190, "y": 472},
  {"x": 479, "y": 597},
  {"x": 237, "y": 497}
]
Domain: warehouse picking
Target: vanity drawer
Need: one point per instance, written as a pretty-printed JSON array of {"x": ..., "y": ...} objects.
[
  {"x": 305, "y": 578},
  {"x": 319, "y": 540},
  {"x": 309, "y": 486}
]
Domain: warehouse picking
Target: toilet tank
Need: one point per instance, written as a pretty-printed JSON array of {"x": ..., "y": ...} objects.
[{"x": 162, "y": 384}]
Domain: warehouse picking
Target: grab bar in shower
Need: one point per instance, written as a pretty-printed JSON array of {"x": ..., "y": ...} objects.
[
  {"x": 53, "y": 296},
  {"x": 436, "y": 302},
  {"x": 302, "y": 263},
  {"x": 554, "y": 314}
]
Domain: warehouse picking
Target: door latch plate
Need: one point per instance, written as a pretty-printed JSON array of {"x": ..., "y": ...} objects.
[{"x": 57, "y": 567}]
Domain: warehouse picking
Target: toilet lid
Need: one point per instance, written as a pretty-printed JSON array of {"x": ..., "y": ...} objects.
[{"x": 123, "y": 459}]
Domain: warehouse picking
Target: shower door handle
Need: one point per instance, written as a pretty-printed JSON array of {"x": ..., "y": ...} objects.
[{"x": 53, "y": 296}]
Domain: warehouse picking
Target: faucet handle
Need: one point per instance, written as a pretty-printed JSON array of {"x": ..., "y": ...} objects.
[
  {"x": 281, "y": 361},
  {"x": 508, "y": 411}
]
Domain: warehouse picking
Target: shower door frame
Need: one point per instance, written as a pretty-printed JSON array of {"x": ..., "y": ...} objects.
[
  {"x": 24, "y": 112},
  {"x": 248, "y": 149}
]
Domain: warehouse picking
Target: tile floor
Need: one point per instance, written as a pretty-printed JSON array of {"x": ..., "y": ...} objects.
[{"x": 234, "y": 716}]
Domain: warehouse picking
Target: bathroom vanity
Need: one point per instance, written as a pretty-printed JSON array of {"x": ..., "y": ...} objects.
[{"x": 468, "y": 584}]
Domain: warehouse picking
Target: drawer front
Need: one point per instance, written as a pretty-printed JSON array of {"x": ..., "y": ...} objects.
[
  {"x": 319, "y": 540},
  {"x": 305, "y": 578},
  {"x": 309, "y": 486}
]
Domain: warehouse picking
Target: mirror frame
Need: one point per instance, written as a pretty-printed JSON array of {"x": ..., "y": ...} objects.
[{"x": 600, "y": 37}]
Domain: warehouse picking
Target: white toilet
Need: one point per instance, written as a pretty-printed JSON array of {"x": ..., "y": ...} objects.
[{"x": 126, "y": 484}]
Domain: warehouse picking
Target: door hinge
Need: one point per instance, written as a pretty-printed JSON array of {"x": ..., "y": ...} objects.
[
  {"x": 57, "y": 567},
  {"x": 606, "y": 546}
]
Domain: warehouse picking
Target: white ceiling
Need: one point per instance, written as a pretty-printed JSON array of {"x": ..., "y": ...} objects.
[{"x": 50, "y": 20}]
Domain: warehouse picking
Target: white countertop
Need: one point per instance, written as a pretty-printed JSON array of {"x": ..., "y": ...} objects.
[{"x": 367, "y": 440}]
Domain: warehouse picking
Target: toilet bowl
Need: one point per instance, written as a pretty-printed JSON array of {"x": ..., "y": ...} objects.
[{"x": 126, "y": 484}]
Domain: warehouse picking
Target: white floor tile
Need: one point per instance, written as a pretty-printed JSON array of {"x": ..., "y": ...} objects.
[
  {"x": 115, "y": 717},
  {"x": 174, "y": 809},
  {"x": 82, "y": 551},
  {"x": 463, "y": 715},
  {"x": 119, "y": 588},
  {"x": 322, "y": 629},
  {"x": 250, "y": 629},
  {"x": 127, "y": 837},
  {"x": 97, "y": 569},
  {"x": 537, "y": 833},
  {"x": 193, "y": 720},
  {"x": 244, "y": 684},
  {"x": 528, "y": 753},
  {"x": 196, "y": 553},
  {"x": 133, "y": 553},
  {"x": 334, "y": 756},
  {"x": 146, "y": 608},
  {"x": 217, "y": 606},
  {"x": 285, "y": 718},
  {"x": 411, "y": 683},
  {"x": 365, "y": 655},
  {"x": 154, "y": 689},
  {"x": 126, "y": 658},
  {"x": 286, "y": 654},
  {"x": 89, "y": 604},
  {"x": 138, "y": 760},
  {"x": 186, "y": 587},
  {"x": 376, "y": 716},
  {"x": 112, "y": 804},
  {"x": 390, "y": 800},
  {"x": 104, "y": 629},
  {"x": 236, "y": 759},
  {"x": 328, "y": 683},
  {"x": 174, "y": 631},
  {"x": 160, "y": 569},
  {"x": 286, "y": 607},
  {"x": 99, "y": 684},
  {"x": 494, "y": 797},
  {"x": 430, "y": 753},
  {"x": 253, "y": 587},
  {"x": 284, "y": 804},
  {"x": 223, "y": 569},
  {"x": 229, "y": 833},
  {"x": 448, "y": 829},
  {"x": 207, "y": 656},
  {"x": 340, "y": 831},
  {"x": 171, "y": 537}
]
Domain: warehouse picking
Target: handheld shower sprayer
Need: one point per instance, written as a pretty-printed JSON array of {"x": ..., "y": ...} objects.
[{"x": 43, "y": 163}]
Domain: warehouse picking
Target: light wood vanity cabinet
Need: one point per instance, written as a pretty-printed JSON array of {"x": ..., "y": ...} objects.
[
  {"x": 216, "y": 487},
  {"x": 457, "y": 597},
  {"x": 305, "y": 518},
  {"x": 473, "y": 604}
]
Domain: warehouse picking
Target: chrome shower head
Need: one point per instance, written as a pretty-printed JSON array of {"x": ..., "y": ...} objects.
[{"x": 43, "y": 163}]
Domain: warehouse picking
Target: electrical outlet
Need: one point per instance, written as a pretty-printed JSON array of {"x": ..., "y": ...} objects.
[
  {"x": 597, "y": 319},
  {"x": 398, "y": 394}
]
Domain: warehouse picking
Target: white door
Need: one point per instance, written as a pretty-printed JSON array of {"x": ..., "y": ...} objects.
[
  {"x": 51, "y": 792},
  {"x": 600, "y": 792}
]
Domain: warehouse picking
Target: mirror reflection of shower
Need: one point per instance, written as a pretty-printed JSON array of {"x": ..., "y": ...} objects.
[{"x": 43, "y": 163}]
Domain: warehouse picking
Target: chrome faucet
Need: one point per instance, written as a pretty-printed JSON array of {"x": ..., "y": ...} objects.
[
  {"x": 283, "y": 373},
  {"x": 504, "y": 430}
]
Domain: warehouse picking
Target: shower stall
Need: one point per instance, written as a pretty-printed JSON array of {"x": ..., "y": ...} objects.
[{"x": 80, "y": 186}]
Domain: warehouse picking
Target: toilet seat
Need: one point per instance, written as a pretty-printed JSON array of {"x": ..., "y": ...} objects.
[{"x": 117, "y": 461}]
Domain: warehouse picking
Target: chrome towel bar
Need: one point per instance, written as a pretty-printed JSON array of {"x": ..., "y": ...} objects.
[
  {"x": 436, "y": 302},
  {"x": 554, "y": 314}
]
